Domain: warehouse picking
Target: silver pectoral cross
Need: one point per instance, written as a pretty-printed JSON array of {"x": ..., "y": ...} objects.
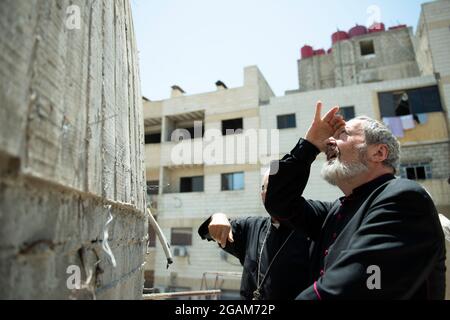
[{"x": 256, "y": 295}]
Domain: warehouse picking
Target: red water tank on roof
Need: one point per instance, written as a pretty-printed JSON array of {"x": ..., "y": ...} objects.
[
  {"x": 357, "y": 31},
  {"x": 319, "y": 52},
  {"x": 339, "y": 36},
  {"x": 401, "y": 26},
  {"x": 307, "y": 52},
  {"x": 377, "y": 27}
]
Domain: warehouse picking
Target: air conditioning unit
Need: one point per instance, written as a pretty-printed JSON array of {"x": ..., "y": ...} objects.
[{"x": 180, "y": 251}]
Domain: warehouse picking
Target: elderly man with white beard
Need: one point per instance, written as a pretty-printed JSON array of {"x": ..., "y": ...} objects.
[{"x": 382, "y": 239}]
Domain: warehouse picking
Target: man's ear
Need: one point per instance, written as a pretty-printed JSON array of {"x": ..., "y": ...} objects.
[{"x": 378, "y": 152}]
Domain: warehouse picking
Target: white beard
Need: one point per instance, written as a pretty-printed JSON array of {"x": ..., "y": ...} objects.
[{"x": 335, "y": 171}]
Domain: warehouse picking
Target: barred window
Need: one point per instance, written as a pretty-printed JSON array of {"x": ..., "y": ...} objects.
[
  {"x": 416, "y": 171},
  {"x": 181, "y": 237}
]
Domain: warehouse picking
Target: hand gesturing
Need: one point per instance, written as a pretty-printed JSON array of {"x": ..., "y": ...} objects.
[
  {"x": 323, "y": 128},
  {"x": 220, "y": 229}
]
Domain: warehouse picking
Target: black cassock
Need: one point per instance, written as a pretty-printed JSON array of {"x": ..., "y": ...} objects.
[
  {"x": 388, "y": 228},
  {"x": 288, "y": 274}
]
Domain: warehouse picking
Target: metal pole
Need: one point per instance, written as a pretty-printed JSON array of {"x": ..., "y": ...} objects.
[{"x": 165, "y": 295}]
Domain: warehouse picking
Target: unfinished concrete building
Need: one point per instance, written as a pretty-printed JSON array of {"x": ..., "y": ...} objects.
[
  {"x": 72, "y": 180},
  {"x": 361, "y": 55}
]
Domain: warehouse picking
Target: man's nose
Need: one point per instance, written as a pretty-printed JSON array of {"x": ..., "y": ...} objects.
[{"x": 331, "y": 141}]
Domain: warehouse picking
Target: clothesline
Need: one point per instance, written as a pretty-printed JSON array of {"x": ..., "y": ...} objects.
[{"x": 401, "y": 123}]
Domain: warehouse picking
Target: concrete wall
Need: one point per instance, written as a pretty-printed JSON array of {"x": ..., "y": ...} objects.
[
  {"x": 394, "y": 58},
  {"x": 71, "y": 145},
  {"x": 436, "y": 19}
]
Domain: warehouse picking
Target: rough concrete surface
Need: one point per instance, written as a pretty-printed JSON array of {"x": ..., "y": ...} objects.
[{"x": 71, "y": 151}]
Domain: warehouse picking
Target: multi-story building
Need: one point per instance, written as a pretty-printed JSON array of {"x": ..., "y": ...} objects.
[
  {"x": 198, "y": 183},
  {"x": 392, "y": 75}
]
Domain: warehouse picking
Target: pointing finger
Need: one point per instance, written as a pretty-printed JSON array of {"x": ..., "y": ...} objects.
[{"x": 317, "y": 116}]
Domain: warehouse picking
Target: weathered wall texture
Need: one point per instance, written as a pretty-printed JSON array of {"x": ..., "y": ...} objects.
[{"x": 71, "y": 145}]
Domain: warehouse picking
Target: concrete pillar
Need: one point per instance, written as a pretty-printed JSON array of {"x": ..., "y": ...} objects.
[{"x": 72, "y": 180}]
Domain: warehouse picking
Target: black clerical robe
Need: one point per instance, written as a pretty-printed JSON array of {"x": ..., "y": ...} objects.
[
  {"x": 288, "y": 274},
  {"x": 387, "y": 228}
]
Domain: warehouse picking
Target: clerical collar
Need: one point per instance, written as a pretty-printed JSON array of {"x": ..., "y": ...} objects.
[{"x": 368, "y": 187}]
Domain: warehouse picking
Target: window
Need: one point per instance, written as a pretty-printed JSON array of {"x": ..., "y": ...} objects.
[
  {"x": 187, "y": 133},
  {"x": 151, "y": 236},
  {"x": 347, "y": 112},
  {"x": 181, "y": 236},
  {"x": 191, "y": 184},
  {"x": 413, "y": 101},
  {"x": 152, "y": 187},
  {"x": 286, "y": 121},
  {"x": 232, "y": 181},
  {"x": 232, "y": 126},
  {"x": 367, "y": 48},
  {"x": 152, "y": 138},
  {"x": 416, "y": 171}
]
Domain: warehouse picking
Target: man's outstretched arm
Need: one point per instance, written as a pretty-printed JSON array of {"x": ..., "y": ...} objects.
[{"x": 229, "y": 234}]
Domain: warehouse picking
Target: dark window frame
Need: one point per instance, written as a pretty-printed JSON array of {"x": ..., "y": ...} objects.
[
  {"x": 348, "y": 112},
  {"x": 286, "y": 121},
  {"x": 225, "y": 183},
  {"x": 420, "y": 100},
  {"x": 236, "y": 124},
  {"x": 152, "y": 187},
  {"x": 152, "y": 138},
  {"x": 367, "y": 48},
  {"x": 416, "y": 171},
  {"x": 187, "y": 184}
]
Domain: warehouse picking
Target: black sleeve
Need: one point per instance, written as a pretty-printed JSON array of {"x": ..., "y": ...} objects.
[
  {"x": 399, "y": 239},
  {"x": 240, "y": 227},
  {"x": 287, "y": 181}
]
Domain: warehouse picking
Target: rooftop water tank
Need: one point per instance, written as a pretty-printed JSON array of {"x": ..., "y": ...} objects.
[
  {"x": 329, "y": 50},
  {"x": 307, "y": 52},
  {"x": 319, "y": 52},
  {"x": 339, "y": 36},
  {"x": 377, "y": 27},
  {"x": 357, "y": 31},
  {"x": 400, "y": 26}
]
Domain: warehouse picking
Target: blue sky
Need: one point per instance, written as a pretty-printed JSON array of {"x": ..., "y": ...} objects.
[{"x": 194, "y": 43}]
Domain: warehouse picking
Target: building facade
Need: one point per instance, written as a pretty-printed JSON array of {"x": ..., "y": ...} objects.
[{"x": 390, "y": 74}]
